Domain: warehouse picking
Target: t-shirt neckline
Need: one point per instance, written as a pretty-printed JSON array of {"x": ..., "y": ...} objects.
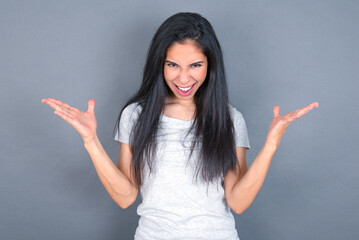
[{"x": 176, "y": 119}]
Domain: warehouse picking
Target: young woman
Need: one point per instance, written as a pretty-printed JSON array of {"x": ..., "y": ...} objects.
[{"x": 182, "y": 145}]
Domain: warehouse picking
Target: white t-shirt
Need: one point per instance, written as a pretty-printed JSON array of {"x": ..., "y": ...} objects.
[{"x": 174, "y": 205}]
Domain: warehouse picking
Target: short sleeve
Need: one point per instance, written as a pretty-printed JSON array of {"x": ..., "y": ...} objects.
[
  {"x": 127, "y": 121},
  {"x": 240, "y": 128}
]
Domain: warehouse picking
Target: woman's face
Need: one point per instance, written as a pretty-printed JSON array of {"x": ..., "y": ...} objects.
[{"x": 185, "y": 69}]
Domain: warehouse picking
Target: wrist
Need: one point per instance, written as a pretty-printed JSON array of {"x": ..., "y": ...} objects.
[
  {"x": 271, "y": 144},
  {"x": 89, "y": 140}
]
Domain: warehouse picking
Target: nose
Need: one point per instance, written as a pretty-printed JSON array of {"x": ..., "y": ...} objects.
[{"x": 184, "y": 77}]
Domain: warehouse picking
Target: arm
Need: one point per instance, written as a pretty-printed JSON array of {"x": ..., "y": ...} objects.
[
  {"x": 116, "y": 180},
  {"x": 241, "y": 189}
]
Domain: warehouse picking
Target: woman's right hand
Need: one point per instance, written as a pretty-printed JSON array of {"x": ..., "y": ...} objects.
[{"x": 83, "y": 122}]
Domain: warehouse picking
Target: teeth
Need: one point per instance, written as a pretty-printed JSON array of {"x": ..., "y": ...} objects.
[{"x": 185, "y": 89}]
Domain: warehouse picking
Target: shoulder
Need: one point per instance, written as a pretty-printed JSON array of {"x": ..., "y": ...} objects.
[
  {"x": 240, "y": 128},
  {"x": 132, "y": 108},
  {"x": 235, "y": 114},
  {"x": 131, "y": 111}
]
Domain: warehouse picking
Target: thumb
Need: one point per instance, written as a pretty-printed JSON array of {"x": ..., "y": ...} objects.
[
  {"x": 91, "y": 106},
  {"x": 276, "y": 111}
]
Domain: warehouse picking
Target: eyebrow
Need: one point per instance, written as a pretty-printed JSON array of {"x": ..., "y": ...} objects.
[{"x": 168, "y": 61}]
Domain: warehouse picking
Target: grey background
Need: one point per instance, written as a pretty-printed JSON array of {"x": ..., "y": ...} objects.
[{"x": 289, "y": 53}]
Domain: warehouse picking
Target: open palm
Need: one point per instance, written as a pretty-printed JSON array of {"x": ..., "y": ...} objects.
[
  {"x": 280, "y": 123},
  {"x": 84, "y": 122}
]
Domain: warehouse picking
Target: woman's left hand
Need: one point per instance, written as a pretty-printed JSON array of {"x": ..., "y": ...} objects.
[{"x": 280, "y": 124}]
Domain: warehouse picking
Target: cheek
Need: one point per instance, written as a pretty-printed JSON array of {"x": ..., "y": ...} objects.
[
  {"x": 169, "y": 75},
  {"x": 201, "y": 75}
]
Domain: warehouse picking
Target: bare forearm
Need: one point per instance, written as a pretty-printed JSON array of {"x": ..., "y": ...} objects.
[
  {"x": 115, "y": 182},
  {"x": 247, "y": 188}
]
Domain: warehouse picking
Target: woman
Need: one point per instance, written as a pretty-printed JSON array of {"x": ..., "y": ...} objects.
[{"x": 182, "y": 145}]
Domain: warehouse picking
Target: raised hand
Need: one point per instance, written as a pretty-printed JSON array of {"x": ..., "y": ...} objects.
[
  {"x": 280, "y": 124},
  {"x": 84, "y": 122}
]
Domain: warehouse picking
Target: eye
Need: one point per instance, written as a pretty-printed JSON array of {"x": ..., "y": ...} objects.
[
  {"x": 196, "y": 65},
  {"x": 171, "y": 64}
]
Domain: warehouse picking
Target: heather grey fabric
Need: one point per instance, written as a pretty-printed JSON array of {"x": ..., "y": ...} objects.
[{"x": 174, "y": 205}]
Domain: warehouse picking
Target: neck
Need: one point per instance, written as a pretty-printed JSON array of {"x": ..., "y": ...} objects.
[{"x": 183, "y": 102}]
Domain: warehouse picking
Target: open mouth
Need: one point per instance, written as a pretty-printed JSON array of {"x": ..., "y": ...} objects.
[{"x": 184, "y": 91}]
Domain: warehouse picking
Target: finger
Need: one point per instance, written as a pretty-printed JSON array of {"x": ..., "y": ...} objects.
[
  {"x": 65, "y": 116},
  {"x": 276, "y": 111},
  {"x": 60, "y": 103},
  {"x": 91, "y": 106},
  {"x": 301, "y": 111},
  {"x": 58, "y": 107},
  {"x": 52, "y": 104}
]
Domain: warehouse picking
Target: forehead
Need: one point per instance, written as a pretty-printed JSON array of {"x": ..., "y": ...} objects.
[{"x": 186, "y": 52}]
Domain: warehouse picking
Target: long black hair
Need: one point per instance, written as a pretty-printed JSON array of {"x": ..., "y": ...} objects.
[{"x": 213, "y": 127}]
